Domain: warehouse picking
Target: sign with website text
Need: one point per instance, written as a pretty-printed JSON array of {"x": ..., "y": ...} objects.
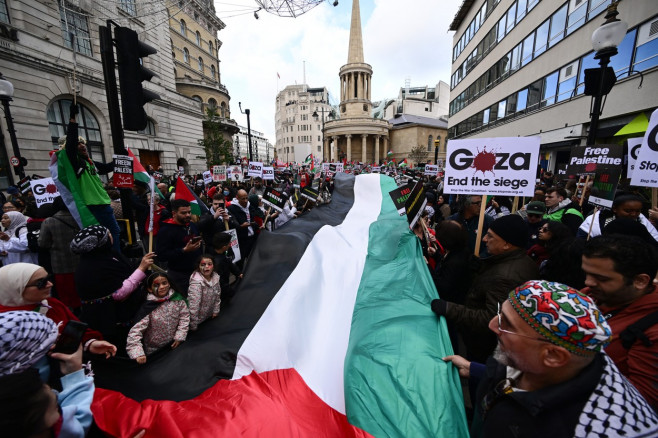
[
  {"x": 219, "y": 173},
  {"x": 123, "y": 172},
  {"x": 492, "y": 166},
  {"x": 44, "y": 190},
  {"x": 645, "y": 172}
]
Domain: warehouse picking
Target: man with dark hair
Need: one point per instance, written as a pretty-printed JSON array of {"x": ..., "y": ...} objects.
[
  {"x": 179, "y": 244},
  {"x": 562, "y": 209},
  {"x": 619, "y": 273},
  {"x": 245, "y": 215},
  {"x": 469, "y": 216},
  {"x": 506, "y": 268},
  {"x": 216, "y": 220}
]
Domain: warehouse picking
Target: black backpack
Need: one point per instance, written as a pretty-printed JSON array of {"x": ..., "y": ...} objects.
[
  {"x": 636, "y": 331},
  {"x": 33, "y": 230}
]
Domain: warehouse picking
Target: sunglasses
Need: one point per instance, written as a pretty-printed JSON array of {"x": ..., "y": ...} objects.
[{"x": 42, "y": 282}]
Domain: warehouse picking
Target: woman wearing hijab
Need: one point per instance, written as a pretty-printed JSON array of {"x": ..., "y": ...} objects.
[
  {"x": 13, "y": 240},
  {"x": 25, "y": 286},
  {"x": 105, "y": 281}
]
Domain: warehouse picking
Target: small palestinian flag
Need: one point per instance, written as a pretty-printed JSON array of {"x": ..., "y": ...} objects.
[
  {"x": 140, "y": 173},
  {"x": 390, "y": 153},
  {"x": 330, "y": 334},
  {"x": 184, "y": 192}
]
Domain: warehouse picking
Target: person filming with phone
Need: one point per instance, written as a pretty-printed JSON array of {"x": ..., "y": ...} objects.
[{"x": 179, "y": 244}]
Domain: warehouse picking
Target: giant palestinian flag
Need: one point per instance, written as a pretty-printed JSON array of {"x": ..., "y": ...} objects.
[{"x": 330, "y": 335}]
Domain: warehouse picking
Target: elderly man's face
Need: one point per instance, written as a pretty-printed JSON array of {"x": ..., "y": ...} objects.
[
  {"x": 243, "y": 198},
  {"x": 495, "y": 244}
]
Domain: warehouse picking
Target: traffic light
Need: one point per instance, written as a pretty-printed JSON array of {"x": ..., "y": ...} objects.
[{"x": 130, "y": 51}]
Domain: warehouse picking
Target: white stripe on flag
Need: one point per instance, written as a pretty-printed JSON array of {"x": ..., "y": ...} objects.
[{"x": 307, "y": 324}]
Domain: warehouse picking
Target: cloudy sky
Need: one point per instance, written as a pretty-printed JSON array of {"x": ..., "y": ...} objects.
[{"x": 402, "y": 39}]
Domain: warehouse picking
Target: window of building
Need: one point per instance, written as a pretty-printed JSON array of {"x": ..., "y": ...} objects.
[
  {"x": 646, "y": 50},
  {"x": 493, "y": 113},
  {"x": 511, "y": 105},
  {"x": 430, "y": 142},
  {"x": 197, "y": 98},
  {"x": 4, "y": 12},
  {"x": 587, "y": 61},
  {"x": 577, "y": 15},
  {"x": 502, "y": 27},
  {"x": 212, "y": 103},
  {"x": 210, "y": 47},
  {"x": 502, "y": 105},
  {"x": 319, "y": 148},
  {"x": 567, "y": 81},
  {"x": 526, "y": 53},
  {"x": 622, "y": 61},
  {"x": 549, "y": 89},
  {"x": 201, "y": 64},
  {"x": 196, "y": 16},
  {"x": 213, "y": 71},
  {"x": 183, "y": 28},
  {"x": 558, "y": 20},
  {"x": 88, "y": 127},
  {"x": 516, "y": 57},
  {"x": 511, "y": 17},
  {"x": 150, "y": 128},
  {"x": 521, "y": 6},
  {"x": 75, "y": 23},
  {"x": 541, "y": 38},
  {"x": 522, "y": 100},
  {"x": 186, "y": 55},
  {"x": 198, "y": 39},
  {"x": 128, "y": 6},
  {"x": 596, "y": 7},
  {"x": 534, "y": 95}
]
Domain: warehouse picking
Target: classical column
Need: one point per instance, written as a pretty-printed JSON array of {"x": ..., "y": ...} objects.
[
  {"x": 364, "y": 139},
  {"x": 325, "y": 149},
  {"x": 386, "y": 146},
  {"x": 359, "y": 88},
  {"x": 349, "y": 147},
  {"x": 377, "y": 150},
  {"x": 334, "y": 149}
]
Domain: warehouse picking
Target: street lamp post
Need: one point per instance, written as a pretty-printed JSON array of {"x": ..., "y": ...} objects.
[
  {"x": 315, "y": 117},
  {"x": 6, "y": 95},
  {"x": 599, "y": 81},
  {"x": 248, "y": 113}
]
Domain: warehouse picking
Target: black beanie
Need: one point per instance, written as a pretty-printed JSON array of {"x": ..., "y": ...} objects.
[{"x": 512, "y": 229}]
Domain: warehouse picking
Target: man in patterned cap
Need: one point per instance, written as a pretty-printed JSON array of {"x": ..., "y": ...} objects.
[{"x": 549, "y": 376}]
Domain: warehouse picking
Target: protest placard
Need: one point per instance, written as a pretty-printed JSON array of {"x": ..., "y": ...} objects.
[
  {"x": 604, "y": 187},
  {"x": 235, "y": 247},
  {"x": 634, "y": 145},
  {"x": 157, "y": 176},
  {"x": 255, "y": 169},
  {"x": 415, "y": 204},
  {"x": 376, "y": 169},
  {"x": 274, "y": 198},
  {"x": 219, "y": 173},
  {"x": 592, "y": 159},
  {"x": 492, "y": 166},
  {"x": 44, "y": 190},
  {"x": 268, "y": 173},
  {"x": 234, "y": 173},
  {"x": 123, "y": 172},
  {"x": 207, "y": 177},
  {"x": 431, "y": 169},
  {"x": 645, "y": 172},
  {"x": 310, "y": 193},
  {"x": 400, "y": 196}
]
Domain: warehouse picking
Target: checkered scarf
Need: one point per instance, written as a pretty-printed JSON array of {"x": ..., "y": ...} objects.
[
  {"x": 89, "y": 239},
  {"x": 25, "y": 337}
]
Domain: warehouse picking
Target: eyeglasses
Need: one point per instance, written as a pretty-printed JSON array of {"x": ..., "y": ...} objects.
[
  {"x": 41, "y": 283},
  {"x": 501, "y": 329}
]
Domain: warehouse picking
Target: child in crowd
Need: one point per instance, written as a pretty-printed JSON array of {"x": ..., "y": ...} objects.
[
  {"x": 204, "y": 293},
  {"x": 163, "y": 320}
]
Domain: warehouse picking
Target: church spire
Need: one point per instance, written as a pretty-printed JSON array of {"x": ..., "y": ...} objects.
[{"x": 355, "y": 53}]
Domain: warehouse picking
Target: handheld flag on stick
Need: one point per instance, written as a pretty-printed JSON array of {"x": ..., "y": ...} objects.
[{"x": 184, "y": 192}]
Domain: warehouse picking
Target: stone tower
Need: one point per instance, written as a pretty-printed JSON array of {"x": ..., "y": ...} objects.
[{"x": 356, "y": 135}]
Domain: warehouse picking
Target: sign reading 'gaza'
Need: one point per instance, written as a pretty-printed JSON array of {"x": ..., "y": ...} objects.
[{"x": 492, "y": 166}]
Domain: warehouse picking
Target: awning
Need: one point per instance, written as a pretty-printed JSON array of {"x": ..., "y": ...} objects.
[{"x": 636, "y": 126}]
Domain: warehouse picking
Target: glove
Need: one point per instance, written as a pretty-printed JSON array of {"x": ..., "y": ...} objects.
[
  {"x": 74, "y": 112},
  {"x": 440, "y": 307}
]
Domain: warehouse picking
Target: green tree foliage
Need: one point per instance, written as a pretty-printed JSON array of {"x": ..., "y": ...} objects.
[
  {"x": 418, "y": 154},
  {"x": 218, "y": 149}
]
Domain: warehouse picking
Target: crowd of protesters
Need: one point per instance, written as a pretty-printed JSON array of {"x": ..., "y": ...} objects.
[{"x": 558, "y": 306}]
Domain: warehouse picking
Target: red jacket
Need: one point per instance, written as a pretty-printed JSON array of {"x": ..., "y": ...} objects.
[
  {"x": 639, "y": 363},
  {"x": 58, "y": 312}
]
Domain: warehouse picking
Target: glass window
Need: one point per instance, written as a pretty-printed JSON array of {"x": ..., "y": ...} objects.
[
  {"x": 150, "y": 128},
  {"x": 521, "y": 100},
  {"x": 541, "y": 40},
  {"x": 213, "y": 72},
  {"x": 504, "y": 64},
  {"x": 183, "y": 28},
  {"x": 622, "y": 61},
  {"x": 210, "y": 46},
  {"x": 88, "y": 127},
  {"x": 4, "y": 13},
  {"x": 511, "y": 17},
  {"x": 76, "y": 24},
  {"x": 198, "y": 39},
  {"x": 201, "y": 64},
  {"x": 516, "y": 57},
  {"x": 212, "y": 103},
  {"x": 128, "y": 6},
  {"x": 501, "y": 27},
  {"x": 485, "y": 116},
  {"x": 597, "y": 6},
  {"x": 528, "y": 44},
  {"x": 568, "y": 75},
  {"x": 501, "y": 108},
  {"x": 588, "y": 61},
  {"x": 511, "y": 104},
  {"x": 430, "y": 142},
  {"x": 550, "y": 89},
  {"x": 532, "y": 4},
  {"x": 558, "y": 21},
  {"x": 646, "y": 55},
  {"x": 520, "y": 9},
  {"x": 577, "y": 14},
  {"x": 493, "y": 112},
  {"x": 534, "y": 95},
  {"x": 186, "y": 55}
]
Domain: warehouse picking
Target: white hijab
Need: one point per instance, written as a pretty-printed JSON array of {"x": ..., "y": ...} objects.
[
  {"x": 13, "y": 279},
  {"x": 17, "y": 219}
]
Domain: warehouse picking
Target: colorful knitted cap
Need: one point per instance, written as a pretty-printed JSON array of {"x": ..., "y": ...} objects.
[{"x": 562, "y": 315}]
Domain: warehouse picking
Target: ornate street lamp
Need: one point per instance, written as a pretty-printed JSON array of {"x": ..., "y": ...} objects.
[
  {"x": 6, "y": 95},
  {"x": 248, "y": 113},
  {"x": 599, "y": 81}
]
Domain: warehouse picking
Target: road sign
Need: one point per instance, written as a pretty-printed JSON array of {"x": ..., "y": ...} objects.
[{"x": 15, "y": 161}]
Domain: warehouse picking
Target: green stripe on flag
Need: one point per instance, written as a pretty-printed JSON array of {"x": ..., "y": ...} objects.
[{"x": 395, "y": 381}]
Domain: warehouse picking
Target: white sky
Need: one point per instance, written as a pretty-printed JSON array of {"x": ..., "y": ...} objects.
[{"x": 402, "y": 39}]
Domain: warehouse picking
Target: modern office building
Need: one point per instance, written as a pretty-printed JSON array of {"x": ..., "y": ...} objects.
[
  {"x": 519, "y": 70},
  {"x": 424, "y": 101},
  {"x": 296, "y": 127},
  {"x": 261, "y": 147}
]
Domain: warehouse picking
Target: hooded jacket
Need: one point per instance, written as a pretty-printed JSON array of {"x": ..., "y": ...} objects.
[{"x": 171, "y": 240}]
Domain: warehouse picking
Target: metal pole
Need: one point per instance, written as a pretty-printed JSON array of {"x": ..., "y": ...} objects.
[
  {"x": 596, "y": 107},
  {"x": 18, "y": 170},
  {"x": 248, "y": 113}
]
